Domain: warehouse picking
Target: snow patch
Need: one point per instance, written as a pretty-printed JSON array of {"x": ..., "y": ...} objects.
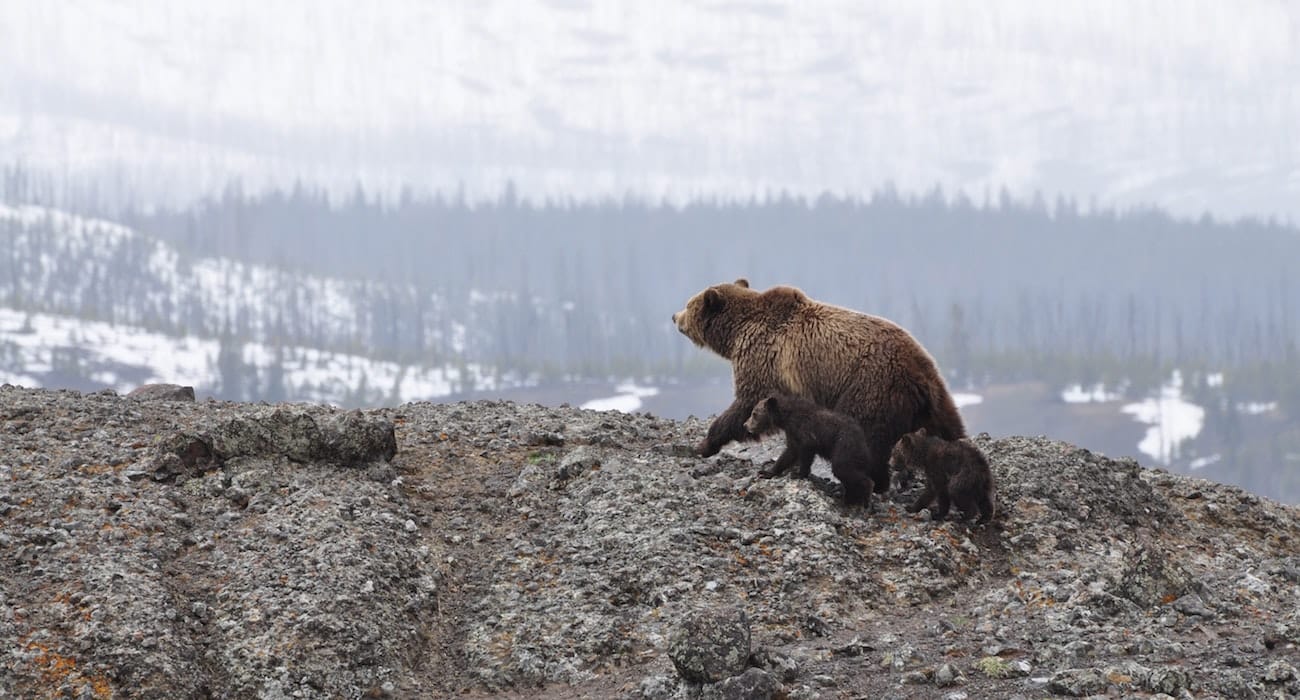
[
  {"x": 1095, "y": 394},
  {"x": 962, "y": 399},
  {"x": 628, "y": 398},
  {"x": 1172, "y": 420}
]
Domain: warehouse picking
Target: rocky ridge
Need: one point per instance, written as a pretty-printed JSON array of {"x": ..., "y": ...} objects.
[{"x": 159, "y": 547}]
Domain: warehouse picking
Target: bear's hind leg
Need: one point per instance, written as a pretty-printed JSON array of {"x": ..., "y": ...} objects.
[{"x": 852, "y": 473}]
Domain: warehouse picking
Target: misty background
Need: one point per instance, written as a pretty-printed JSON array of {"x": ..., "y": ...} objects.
[{"x": 1087, "y": 214}]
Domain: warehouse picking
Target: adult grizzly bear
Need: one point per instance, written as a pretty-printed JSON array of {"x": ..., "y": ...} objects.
[
  {"x": 811, "y": 430},
  {"x": 782, "y": 342},
  {"x": 956, "y": 473}
]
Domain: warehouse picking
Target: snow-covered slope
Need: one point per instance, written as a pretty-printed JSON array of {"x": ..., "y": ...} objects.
[
  {"x": 91, "y": 267},
  {"x": 90, "y": 303},
  {"x": 54, "y": 351},
  {"x": 1189, "y": 104}
]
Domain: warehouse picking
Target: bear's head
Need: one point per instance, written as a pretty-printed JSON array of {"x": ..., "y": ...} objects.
[
  {"x": 906, "y": 452},
  {"x": 705, "y": 318},
  {"x": 763, "y": 419}
]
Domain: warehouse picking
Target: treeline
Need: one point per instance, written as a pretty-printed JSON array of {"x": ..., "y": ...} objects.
[{"x": 998, "y": 290}]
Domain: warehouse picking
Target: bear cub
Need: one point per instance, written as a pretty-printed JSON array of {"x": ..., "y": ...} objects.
[
  {"x": 956, "y": 473},
  {"x": 811, "y": 430}
]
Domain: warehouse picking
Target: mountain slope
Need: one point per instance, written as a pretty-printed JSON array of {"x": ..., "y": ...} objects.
[{"x": 87, "y": 303}]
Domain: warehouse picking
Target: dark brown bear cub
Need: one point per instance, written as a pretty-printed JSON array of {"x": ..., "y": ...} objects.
[
  {"x": 956, "y": 473},
  {"x": 811, "y": 430}
]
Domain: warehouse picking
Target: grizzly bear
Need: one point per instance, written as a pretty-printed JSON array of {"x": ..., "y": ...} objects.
[
  {"x": 811, "y": 430},
  {"x": 782, "y": 342},
  {"x": 956, "y": 473}
]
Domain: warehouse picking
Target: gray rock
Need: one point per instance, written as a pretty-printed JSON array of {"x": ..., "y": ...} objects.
[
  {"x": 1077, "y": 682},
  {"x": 707, "y": 646},
  {"x": 1191, "y": 604},
  {"x": 657, "y": 687},
  {"x": 783, "y": 666},
  {"x": 1150, "y": 578},
  {"x": 1280, "y": 672},
  {"x": 580, "y": 460},
  {"x": 356, "y": 438},
  {"x": 162, "y": 392},
  {"x": 947, "y": 675},
  {"x": 753, "y": 684}
]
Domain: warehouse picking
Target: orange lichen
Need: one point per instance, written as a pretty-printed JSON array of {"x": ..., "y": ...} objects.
[{"x": 57, "y": 670}]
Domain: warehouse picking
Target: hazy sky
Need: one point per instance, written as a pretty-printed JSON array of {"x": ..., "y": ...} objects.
[{"x": 1190, "y": 105}]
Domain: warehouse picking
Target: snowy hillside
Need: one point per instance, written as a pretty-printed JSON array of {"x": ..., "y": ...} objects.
[
  {"x": 46, "y": 350},
  {"x": 89, "y": 303},
  {"x": 1190, "y": 105},
  {"x": 85, "y": 266}
]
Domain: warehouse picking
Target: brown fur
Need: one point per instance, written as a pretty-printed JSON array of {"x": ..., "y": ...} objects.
[
  {"x": 782, "y": 342},
  {"x": 956, "y": 473},
  {"x": 811, "y": 430}
]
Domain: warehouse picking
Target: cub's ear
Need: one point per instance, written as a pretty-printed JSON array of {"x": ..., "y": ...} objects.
[
  {"x": 771, "y": 405},
  {"x": 742, "y": 282},
  {"x": 712, "y": 300},
  {"x": 921, "y": 433}
]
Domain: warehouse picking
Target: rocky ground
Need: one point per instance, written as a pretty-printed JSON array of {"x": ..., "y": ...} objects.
[{"x": 158, "y": 547}]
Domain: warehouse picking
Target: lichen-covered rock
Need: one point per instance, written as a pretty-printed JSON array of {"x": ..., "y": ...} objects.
[
  {"x": 1151, "y": 578},
  {"x": 1077, "y": 682},
  {"x": 708, "y": 646},
  {"x": 162, "y": 392},
  {"x": 753, "y": 684}
]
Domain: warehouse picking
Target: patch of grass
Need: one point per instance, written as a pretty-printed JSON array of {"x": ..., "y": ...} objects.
[
  {"x": 993, "y": 667},
  {"x": 541, "y": 458}
]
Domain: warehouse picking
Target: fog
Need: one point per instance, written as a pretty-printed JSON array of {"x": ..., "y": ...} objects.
[
  {"x": 368, "y": 205},
  {"x": 1190, "y": 106}
]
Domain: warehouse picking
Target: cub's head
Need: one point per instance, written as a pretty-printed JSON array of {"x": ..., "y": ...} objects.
[
  {"x": 705, "y": 318},
  {"x": 907, "y": 450},
  {"x": 763, "y": 419}
]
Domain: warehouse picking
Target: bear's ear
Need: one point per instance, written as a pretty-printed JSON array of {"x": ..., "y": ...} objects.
[
  {"x": 921, "y": 433},
  {"x": 770, "y": 404},
  {"x": 712, "y": 300},
  {"x": 742, "y": 282}
]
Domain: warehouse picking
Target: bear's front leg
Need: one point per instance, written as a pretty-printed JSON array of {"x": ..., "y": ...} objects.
[
  {"x": 783, "y": 463},
  {"x": 925, "y": 499},
  {"x": 806, "y": 458},
  {"x": 728, "y": 426},
  {"x": 940, "y": 511}
]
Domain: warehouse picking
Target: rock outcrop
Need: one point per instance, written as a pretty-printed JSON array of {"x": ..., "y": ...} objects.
[{"x": 211, "y": 549}]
